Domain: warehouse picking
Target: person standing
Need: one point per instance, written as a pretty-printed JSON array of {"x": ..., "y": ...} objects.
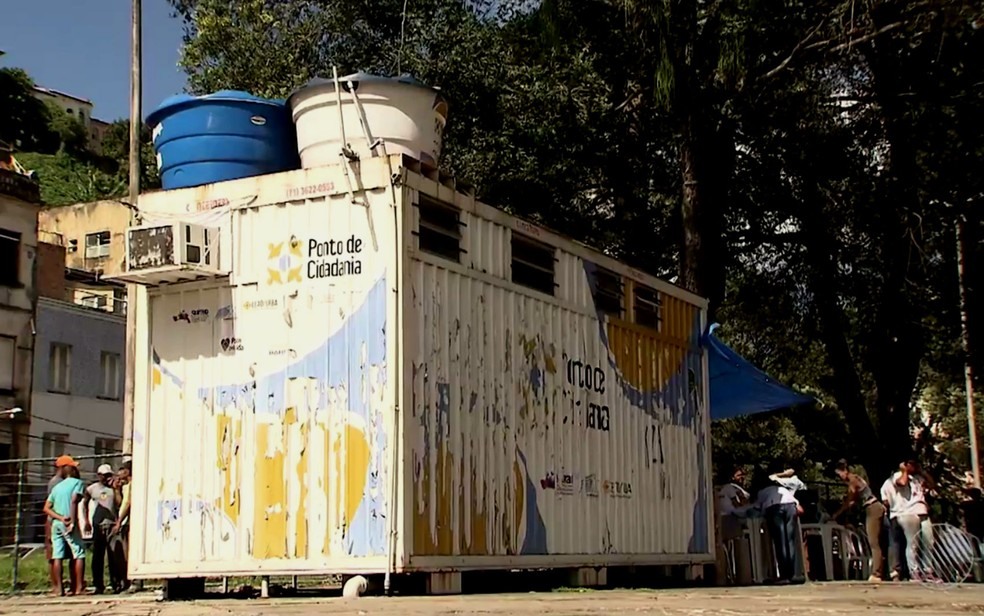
[
  {"x": 859, "y": 492},
  {"x": 780, "y": 508},
  {"x": 896, "y": 537},
  {"x": 911, "y": 486},
  {"x": 731, "y": 499},
  {"x": 103, "y": 520},
  {"x": 120, "y": 533},
  {"x": 61, "y": 507}
]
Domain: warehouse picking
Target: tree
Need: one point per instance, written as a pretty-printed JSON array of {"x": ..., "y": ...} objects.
[
  {"x": 800, "y": 163},
  {"x": 24, "y": 120},
  {"x": 69, "y": 131},
  {"x": 116, "y": 148}
]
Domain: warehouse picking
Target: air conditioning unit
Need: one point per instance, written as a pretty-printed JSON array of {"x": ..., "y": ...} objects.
[{"x": 176, "y": 252}]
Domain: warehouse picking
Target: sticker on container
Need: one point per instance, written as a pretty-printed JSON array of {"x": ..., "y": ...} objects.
[
  {"x": 156, "y": 132},
  {"x": 160, "y": 161},
  {"x": 258, "y": 120}
]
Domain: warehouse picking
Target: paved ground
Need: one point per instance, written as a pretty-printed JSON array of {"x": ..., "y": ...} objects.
[{"x": 849, "y": 599}]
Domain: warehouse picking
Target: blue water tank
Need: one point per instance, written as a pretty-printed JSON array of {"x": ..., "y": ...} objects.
[{"x": 221, "y": 136}]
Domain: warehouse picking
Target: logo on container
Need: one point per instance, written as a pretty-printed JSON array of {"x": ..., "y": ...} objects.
[
  {"x": 617, "y": 489},
  {"x": 284, "y": 261},
  {"x": 198, "y": 315},
  {"x": 589, "y": 486},
  {"x": 562, "y": 483}
]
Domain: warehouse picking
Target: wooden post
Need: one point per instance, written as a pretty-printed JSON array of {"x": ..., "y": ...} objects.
[{"x": 136, "y": 122}]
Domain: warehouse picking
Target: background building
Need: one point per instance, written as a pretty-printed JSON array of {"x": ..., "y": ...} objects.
[
  {"x": 93, "y": 234},
  {"x": 77, "y": 107},
  {"x": 19, "y": 198}
]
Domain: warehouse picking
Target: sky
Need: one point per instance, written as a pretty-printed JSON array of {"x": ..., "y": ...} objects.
[{"x": 82, "y": 47}]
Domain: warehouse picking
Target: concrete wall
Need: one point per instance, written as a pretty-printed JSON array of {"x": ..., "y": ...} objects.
[
  {"x": 72, "y": 223},
  {"x": 84, "y": 414},
  {"x": 16, "y": 310}
]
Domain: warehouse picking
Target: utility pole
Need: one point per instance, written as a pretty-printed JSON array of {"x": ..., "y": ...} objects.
[
  {"x": 975, "y": 461},
  {"x": 136, "y": 123}
]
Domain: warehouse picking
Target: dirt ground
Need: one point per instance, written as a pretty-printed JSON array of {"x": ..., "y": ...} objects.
[{"x": 837, "y": 598}]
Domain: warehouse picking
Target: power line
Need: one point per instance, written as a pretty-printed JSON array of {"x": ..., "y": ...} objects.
[
  {"x": 76, "y": 444},
  {"x": 73, "y": 427}
]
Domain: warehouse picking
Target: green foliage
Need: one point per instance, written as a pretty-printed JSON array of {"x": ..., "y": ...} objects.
[
  {"x": 24, "y": 119},
  {"x": 116, "y": 152},
  {"x": 67, "y": 129},
  {"x": 66, "y": 179}
]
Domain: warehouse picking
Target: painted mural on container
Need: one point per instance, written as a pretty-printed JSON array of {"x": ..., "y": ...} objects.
[
  {"x": 282, "y": 391},
  {"x": 544, "y": 429}
]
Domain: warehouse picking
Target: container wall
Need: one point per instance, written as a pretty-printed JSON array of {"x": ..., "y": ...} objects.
[
  {"x": 542, "y": 431},
  {"x": 261, "y": 443}
]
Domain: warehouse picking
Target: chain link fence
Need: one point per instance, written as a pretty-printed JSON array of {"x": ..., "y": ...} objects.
[{"x": 24, "y": 487}]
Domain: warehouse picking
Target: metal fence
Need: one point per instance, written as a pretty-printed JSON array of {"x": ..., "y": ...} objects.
[{"x": 23, "y": 491}]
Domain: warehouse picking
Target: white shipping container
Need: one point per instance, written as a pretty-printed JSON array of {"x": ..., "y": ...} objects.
[{"x": 400, "y": 378}]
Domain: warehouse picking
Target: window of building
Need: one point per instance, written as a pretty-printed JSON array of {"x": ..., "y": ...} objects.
[
  {"x": 608, "y": 292},
  {"x": 10, "y": 245},
  {"x": 59, "y": 368},
  {"x": 8, "y": 351},
  {"x": 97, "y": 245},
  {"x": 439, "y": 229},
  {"x": 95, "y": 301},
  {"x": 53, "y": 444},
  {"x": 533, "y": 264},
  {"x": 110, "y": 363},
  {"x": 107, "y": 449},
  {"x": 645, "y": 306}
]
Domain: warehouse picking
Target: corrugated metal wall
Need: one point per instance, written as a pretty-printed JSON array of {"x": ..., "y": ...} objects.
[
  {"x": 537, "y": 429},
  {"x": 270, "y": 402}
]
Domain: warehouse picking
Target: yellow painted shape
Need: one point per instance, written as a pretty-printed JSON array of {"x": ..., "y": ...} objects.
[
  {"x": 273, "y": 276},
  {"x": 295, "y": 247},
  {"x": 275, "y": 250},
  {"x": 157, "y": 377},
  {"x": 294, "y": 274},
  {"x": 228, "y": 459},
  {"x": 300, "y": 516},
  {"x": 270, "y": 508},
  {"x": 351, "y": 456},
  {"x": 648, "y": 358}
]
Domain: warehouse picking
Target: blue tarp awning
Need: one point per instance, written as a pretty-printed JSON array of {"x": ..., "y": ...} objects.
[{"x": 738, "y": 388}]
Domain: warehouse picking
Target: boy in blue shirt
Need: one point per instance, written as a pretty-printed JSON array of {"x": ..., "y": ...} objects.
[{"x": 66, "y": 540}]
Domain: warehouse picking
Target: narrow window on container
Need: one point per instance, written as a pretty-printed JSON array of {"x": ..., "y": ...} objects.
[
  {"x": 439, "y": 229},
  {"x": 609, "y": 292},
  {"x": 645, "y": 306},
  {"x": 533, "y": 264}
]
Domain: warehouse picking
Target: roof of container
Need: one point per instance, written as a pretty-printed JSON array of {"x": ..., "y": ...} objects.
[
  {"x": 179, "y": 100},
  {"x": 362, "y": 77}
]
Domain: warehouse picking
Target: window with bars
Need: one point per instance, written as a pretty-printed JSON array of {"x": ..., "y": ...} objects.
[
  {"x": 97, "y": 245},
  {"x": 439, "y": 228},
  {"x": 8, "y": 353},
  {"x": 107, "y": 449},
  {"x": 53, "y": 444},
  {"x": 533, "y": 264},
  {"x": 609, "y": 292},
  {"x": 646, "y": 306}
]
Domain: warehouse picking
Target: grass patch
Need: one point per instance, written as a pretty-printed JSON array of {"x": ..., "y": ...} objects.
[{"x": 32, "y": 573}]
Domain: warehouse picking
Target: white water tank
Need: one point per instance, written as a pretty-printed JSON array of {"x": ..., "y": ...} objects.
[{"x": 406, "y": 115}]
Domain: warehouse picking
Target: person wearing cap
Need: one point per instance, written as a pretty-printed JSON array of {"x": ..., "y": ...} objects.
[
  {"x": 859, "y": 492},
  {"x": 61, "y": 507},
  {"x": 103, "y": 520}
]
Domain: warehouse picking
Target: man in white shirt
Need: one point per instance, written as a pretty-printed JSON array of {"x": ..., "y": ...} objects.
[
  {"x": 896, "y": 536},
  {"x": 780, "y": 508},
  {"x": 910, "y": 486}
]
